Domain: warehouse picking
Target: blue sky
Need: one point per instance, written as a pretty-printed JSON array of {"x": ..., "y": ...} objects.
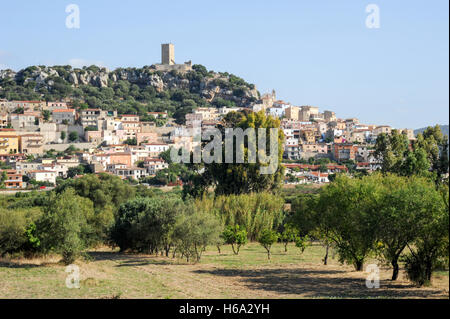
[{"x": 315, "y": 52}]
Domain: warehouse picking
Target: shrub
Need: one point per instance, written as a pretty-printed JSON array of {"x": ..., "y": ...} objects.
[
  {"x": 416, "y": 270},
  {"x": 235, "y": 236},
  {"x": 267, "y": 239},
  {"x": 288, "y": 235},
  {"x": 145, "y": 224},
  {"x": 14, "y": 229},
  {"x": 302, "y": 242},
  {"x": 63, "y": 227},
  {"x": 193, "y": 231}
]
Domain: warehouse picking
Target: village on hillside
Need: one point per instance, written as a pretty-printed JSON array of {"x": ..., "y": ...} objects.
[{"x": 41, "y": 141}]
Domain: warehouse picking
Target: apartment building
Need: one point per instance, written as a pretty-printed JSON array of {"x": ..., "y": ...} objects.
[
  {"x": 292, "y": 113},
  {"x": 9, "y": 144},
  {"x": 124, "y": 171},
  {"x": 43, "y": 176},
  {"x": 13, "y": 179},
  {"x": 345, "y": 151},
  {"x": 32, "y": 143},
  {"x": 91, "y": 117},
  {"x": 64, "y": 116},
  {"x": 307, "y": 112},
  {"x": 25, "y": 120},
  {"x": 155, "y": 149},
  {"x": 153, "y": 165}
]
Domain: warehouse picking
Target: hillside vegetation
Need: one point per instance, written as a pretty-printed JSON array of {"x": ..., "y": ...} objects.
[
  {"x": 444, "y": 129},
  {"x": 129, "y": 90}
]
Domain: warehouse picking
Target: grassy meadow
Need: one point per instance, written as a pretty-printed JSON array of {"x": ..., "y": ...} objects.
[{"x": 106, "y": 273}]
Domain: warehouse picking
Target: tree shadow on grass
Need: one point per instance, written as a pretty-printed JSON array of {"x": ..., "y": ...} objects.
[
  {"x": 11, "y": 264},
  {"x": 130, "y": 260},
  {"x": 321, "y": 284}
]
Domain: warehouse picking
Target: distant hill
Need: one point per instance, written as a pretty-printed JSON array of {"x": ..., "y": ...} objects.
[
  {"x": 129, "y": 90},
  {"x": 444, "y": 129}
]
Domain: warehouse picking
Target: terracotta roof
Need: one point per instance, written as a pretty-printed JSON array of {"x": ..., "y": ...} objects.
[
  {"x": 41, "y": 171},
  {"x": 63, "y": 110}
]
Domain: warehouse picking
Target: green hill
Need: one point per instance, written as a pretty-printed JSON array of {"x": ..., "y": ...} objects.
[
  {"x": 129, "y": 90},
  {"x": 444, "y": 129}
]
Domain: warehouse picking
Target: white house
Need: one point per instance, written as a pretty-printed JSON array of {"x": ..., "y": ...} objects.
[
  {"x": 155, "y": 149},
  {"x": 43, "y": 176},
  {"x": 154, "y": 165}
]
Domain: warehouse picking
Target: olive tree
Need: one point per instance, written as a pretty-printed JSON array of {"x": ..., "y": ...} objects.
[
  {"x": 193, "y": 231},
  {"x": 235, "y": 236},
  {"x": 63, "y": 228},
  {"x": 267, "y": 238},
  {"x": 146, "y": 224},
  {"x": 348, "y": 210}
]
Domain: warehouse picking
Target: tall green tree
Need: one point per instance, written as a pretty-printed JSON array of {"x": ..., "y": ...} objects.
[
  {"x": 145, "y": 224},
  {"x": 349, "y": 210},
  {"x": 194, "y": 231},
  {"x": 64, "y": 227},
  {"x": 425, "y": 156},
  {"x": 432, "y": 238},
  {"x": 407, "y": 205},
  {"x": 239, "y": 178}
]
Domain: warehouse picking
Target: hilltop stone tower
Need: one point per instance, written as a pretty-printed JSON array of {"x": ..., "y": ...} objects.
[
  {"x": 168, "y": 54},
  {"x": 168, "y": 60}
]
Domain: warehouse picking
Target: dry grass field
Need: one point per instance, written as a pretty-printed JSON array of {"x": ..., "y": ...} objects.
[{"x": 109, "y": 274}]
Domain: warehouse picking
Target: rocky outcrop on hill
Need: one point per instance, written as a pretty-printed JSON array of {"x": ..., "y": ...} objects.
[{"x": 209, "y": 85}]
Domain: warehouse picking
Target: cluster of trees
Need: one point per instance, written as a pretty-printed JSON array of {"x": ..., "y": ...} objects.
[
  {"x": 75, "y": 216},
  {"x": 426, "y": 156},
  {"x": 164, "y": 224},
  {"x": 52, "y": 153},
  {"x": 253, "y": 212},
  {"x": 97, "y": 209},
  {"x": 384, "y": 216}
]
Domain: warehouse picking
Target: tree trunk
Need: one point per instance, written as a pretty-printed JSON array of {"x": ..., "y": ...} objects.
[
  {"x": 218, "y": 248},
  {"x": 359, "y": 265},
  {"x": 428, "y": 270},
  {"x": 396, "y": 268},
  {"x": 167, "y": 251},
  {"x": 285, "y": 247},
  {"x": 325, "y": 259}
]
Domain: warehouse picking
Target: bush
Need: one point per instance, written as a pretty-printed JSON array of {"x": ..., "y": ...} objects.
[
  {"x": 235, "y": 236},
  {"x": 12, "y": 231},
  {"x": 267, "y": 239},
  {"x": 288, "y": 235},
  {"x": 14, "y": 225},
  {"x": 63, "y": 227},
  {"x": 416, "y": 270},
  {"x": 302, "y": 242},
  {"x": 73, "y": 136},
  {"x": 145, "y": 224},
  {"x": 194, "y": 231}
]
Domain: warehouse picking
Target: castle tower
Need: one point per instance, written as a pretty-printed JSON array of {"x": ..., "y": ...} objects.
[{"x": 168, "y": 54}]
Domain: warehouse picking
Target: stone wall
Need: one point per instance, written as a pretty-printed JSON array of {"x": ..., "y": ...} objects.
[{"x": 64, "y": 146}]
